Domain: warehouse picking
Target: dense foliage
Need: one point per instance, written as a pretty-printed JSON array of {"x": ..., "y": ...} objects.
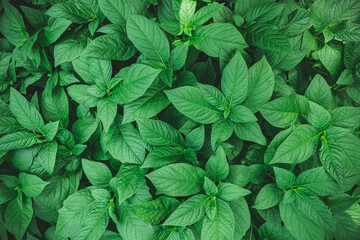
[{"x": 180, "y": 119}]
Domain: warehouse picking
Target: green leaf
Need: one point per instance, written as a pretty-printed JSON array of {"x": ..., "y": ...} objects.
[
  {"x": 269, "y": 196},
  {"x": 80, "y": 94},
  {"x": 148, "y": 38},
  {"x": 263, "y": 12},
  {"x": 179, "y": 179},
  {"x": 53, "y": 31},
  {"x": 159, "y": 133},
  {"x": 12, "y": 25},
  {"x": 319, "y": 91},
  {"x": 84, "y": 214},
  {"x": 18, "y": 216},
  {"x": 250, "y": 131},
  {"x": 54, "y": 102},
  {"x": 106, "y": 110},
  {"x": 220, "y": 132},
  {"x": 113, "y": 46},
  {"x": 318, "y": 181},
  {"x": 162, "y": 156},
  {"x": 234, "y": 82},
  {"x": 241, "y": 114},
  {"x": 346, "y": 117},
  {"x": 261, "y": 85},
  {"x": 178, "y": 56},
  {"x": 67, "y": 51},
  {"x": 284, "y": 178},
  {"x": 31, "y": 185},
  {"x": 222, "y": 226},
  {"x": 202, "y": 15},
  {"x": 83, "y": 129},
  {"x": 268, "y": 37},
  {"x": 47, "y": 156},
  {"x": 210, "y": 187},
  {"x": 98, "y": 173},
  {"x": 281, "y": 112},
  {"x": 330, "y": 57},
  {"x": 213, "y": 96},
  {"x": 148, "y": 105},
  {"x": 127, "y": 182},
  {"x": 299, "y": 146},
  {"x": 18, "y": 140},
  {"x": 25, "y": 113},
  {"x": 231, "y": 192},
  {"x": 213, "y": 38},
  {"x": 318, "y": 117},
  {"x": 189, "y": 212},
  {"x": 299, "y": 225},
  {"x": 76, "y": 12},
  {"x": 186, "y": 11},
  {"x": 189, "y": 101},
  {"x": 117, "y": 12},
  {"x": 136, "y": 80},
  {"x": 153, "y": 212},
  {"x": 217, "y": 166},
  {"x": 242, "y": 217},
  {"x": 195, "y": 139}
]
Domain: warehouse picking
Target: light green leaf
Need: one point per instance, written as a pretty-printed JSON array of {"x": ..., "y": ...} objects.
[
  {"x": 250, "y": 131},
  {"x": 12, "y": 25},
  {"x": 124, "y": 143},
  {"x": 220, "y": 132},
  {"x": 179, "y": 179},
  {"x": 77, "y": 12},
  {"x": 113, "y": 46},
  {"x": 204, "y": 14},
  {"x": 242, "y": 217},
  {"x": 186, "y": 11},
  {"x": 269, "y": 196},
  {"x": 136, "y": 80},
  {"x": 215, "y": 37},
  {"x": 117, "y": 12},
  {"x": 261, "y": 84},
  {"x": 148, "y": 105},
  {"x": 18, "y": 216},
  {"x": 189, "y": 212},
  {"x": 84, "y": 128},
  {"x": 213, "y": 96},
  {"x": 98, "y": 173},
  {"x": 162, "y": 156},
  {"x": 159, "y": 133},
  {"x": 195, "y": 139},
  {"x": 217, "y": 166},
  {"x": 299, "y": 146},
  {"x": 47, "y": 156},
  {"x": 26, "y": 114},
  {"x": 347, "y": 117},
  {"x": 330, "y": 56},
  {"x": 284, "y": 178},
  {"x": 318, "y": 117},
  {"x": 319, "y": 91},
  {"x": 153, "y": 212},
  {"x": 231, "y": 192},
  {"x": 210, "y": 187},
  {"x": 106, "y": 110},
  {"x": 84, "y": 214},
  {"x": 241, "y": 114},
  {"x": 148, "y": 38},
  {"x": 189, "y": 101},
  {"x": 318, "y": 181},
  {"x": 234, "y": 81},
  {"x": 31, "y": 185},
  {"x": 18, "y": 140},
  {"x": 67, "y": 51},
  {"x": 178, "y": 56},
  {"x": 299, "y": 225},
  {"x": 81, "y": 94},
  {"x": 281, "y": 112},
  {"x": 222, "y": 226},
  {"x": 127, "y": 182}
]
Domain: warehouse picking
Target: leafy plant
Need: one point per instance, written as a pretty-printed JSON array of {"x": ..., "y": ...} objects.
[{"x": 180, "y": 119}]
